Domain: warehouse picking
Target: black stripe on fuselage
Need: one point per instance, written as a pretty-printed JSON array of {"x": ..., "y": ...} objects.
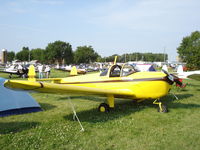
[{"x": 112, "y": 81}]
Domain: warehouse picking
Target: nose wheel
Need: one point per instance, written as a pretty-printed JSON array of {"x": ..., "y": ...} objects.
[
  {"x": 162, "y": 108},
  {"x": 103, "y": 107}
]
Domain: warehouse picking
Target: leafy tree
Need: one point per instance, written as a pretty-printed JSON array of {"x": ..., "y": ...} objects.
[
  {"x": 38, "y": 54},
  {"x": 85, "y": 54},
  {"x": 112, "y": 58},
  {"x": 59, "y": 51},
  {"x": 24, "y": 54},
  {"x": 189, "y": 50},
  {"x": 10, "y": 56}
]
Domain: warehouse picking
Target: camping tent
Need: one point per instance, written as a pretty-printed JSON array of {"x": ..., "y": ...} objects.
[
  {"x": 16, "y": 102},
  {"x": 180, "y": 69},
  {"x": 145, "y": 67},
  {"x": 164, "y": 67}
]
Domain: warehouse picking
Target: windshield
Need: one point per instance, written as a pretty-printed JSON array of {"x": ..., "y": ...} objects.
[
  {"x": 104, "y": 72},
  {"x": 128, "y": 69}
]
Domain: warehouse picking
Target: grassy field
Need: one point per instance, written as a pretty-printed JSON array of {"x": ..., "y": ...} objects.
[{"x": 129, "y": 126}]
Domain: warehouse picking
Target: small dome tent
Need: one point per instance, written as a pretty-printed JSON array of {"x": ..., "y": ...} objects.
[
  {"x": 145, "y": 67},
  {"x": 16, "y": 102}
]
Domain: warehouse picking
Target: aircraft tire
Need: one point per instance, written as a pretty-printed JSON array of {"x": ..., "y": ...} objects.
[
  {"x": 164, "y": 109},
  {"x": 103, "y": 107}
]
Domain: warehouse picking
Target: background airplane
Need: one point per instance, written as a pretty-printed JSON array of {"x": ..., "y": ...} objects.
[
  {"x": 185, "y": 74},
  {"x": 16, "y": 70}
]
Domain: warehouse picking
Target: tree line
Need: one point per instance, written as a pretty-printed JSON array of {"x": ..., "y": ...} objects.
[
  {"x": 62, "y": 53},
  {"x": 148, "y": 57},
  {"x": 56, "y": 52}
]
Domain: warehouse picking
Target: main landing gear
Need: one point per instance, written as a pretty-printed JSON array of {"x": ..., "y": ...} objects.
[
  {"x": 103, "y": 107},
  {"x": 162, "y": 108}
]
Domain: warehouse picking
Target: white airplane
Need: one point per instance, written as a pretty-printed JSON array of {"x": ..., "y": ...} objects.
[
  {"x": 17, "y": 70},
  {"x": 184, "y": 75}
]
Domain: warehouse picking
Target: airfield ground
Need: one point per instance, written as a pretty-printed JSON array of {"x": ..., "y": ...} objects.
[{"x": 127, "y": 127}]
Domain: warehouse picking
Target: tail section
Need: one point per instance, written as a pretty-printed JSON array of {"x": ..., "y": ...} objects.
[
  {"x": 73, "y": 71},
  {"x": 31, "y": 73}
]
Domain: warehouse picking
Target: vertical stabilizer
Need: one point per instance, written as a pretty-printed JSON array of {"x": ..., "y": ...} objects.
[
  {"x": 73, "y": 71},
  {"x": 31, "y": 73}
]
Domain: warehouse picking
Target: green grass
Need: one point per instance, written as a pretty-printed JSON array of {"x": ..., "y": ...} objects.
[
  {"x": 129, "y": 126},
  {"x": 195, "y": 77}
]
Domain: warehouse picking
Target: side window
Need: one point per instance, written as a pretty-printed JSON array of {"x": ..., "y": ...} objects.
[
  {"x": 104, "y": 73},
  {"x": 115, "y": 71}
]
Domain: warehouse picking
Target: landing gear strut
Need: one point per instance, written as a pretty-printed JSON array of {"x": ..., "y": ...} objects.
[{"x": 162, "y": 108}]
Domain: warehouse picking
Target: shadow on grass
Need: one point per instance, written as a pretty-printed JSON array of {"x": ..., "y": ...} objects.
[
  {"x": 46, "y": 106},
  {"x": 183, "y": 96},
  {"x": 124, "y": 108},
  {"x": 179, "y": 105},
  {"x": 90, "y": 98},
  {"x": 192, "y": 85},
  {"x": 187, "y": 106},
  {"x": 94, "y": 116},
  {"x": 14, "y": 127}
]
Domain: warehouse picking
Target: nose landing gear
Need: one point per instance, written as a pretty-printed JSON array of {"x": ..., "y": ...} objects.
[{"x": 162, "y": 108}]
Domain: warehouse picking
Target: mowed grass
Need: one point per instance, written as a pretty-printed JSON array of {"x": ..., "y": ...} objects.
[{"x": 128, "y": 126}]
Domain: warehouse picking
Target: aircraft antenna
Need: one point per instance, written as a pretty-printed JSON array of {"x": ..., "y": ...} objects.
[
  {"x": 75, "y": 115},
  {"x": 115, "y": 61}
]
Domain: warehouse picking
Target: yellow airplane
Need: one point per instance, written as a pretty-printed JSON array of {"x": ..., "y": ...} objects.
[{"x": 116, "y": 82}]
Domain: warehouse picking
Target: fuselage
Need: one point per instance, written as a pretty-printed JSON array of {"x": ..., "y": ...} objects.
[
  {"x": 117, "y": 81},
  {"x": 143, "y": 85}
]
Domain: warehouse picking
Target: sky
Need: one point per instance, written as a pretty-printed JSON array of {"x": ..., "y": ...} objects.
[{"x": 109, "y": 26}]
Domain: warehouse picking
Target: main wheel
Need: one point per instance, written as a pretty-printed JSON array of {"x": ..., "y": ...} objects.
[
  {"x": 103, "y": 107},
  {"x": 164, "y": 109}
]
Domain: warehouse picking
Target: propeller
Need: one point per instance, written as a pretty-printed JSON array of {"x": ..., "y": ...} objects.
[{"x": 175, "y": 79}]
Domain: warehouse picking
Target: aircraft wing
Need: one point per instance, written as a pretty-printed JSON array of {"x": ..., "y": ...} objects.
[
  {"x": 65, "y": 88},
  {"x": 50, "y": 79},
  {"x": 10, "y": 72}
]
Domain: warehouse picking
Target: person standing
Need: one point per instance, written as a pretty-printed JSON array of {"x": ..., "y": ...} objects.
[
  {"x": 47, "y": 71},
  {"x": 40, "y": 70}
]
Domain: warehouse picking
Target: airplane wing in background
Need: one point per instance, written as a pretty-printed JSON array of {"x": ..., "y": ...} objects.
[{"x": 10, "y": 72}]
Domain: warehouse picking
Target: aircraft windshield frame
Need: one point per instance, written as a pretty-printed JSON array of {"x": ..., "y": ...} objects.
[
  {"x": 120, "y": 71},
  {"x": 104, "y": 73},
  {"x": 128, "y": 69}
]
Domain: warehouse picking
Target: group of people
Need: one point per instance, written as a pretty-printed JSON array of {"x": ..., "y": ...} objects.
[{"x": 46, "y": 69}]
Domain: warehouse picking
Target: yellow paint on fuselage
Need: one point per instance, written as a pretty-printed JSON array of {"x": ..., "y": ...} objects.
[
  {"x": 138, "y": 85},
  {"x": 141, "y": 89}
]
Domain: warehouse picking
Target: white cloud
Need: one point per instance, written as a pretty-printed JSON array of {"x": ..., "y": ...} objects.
[
  {"x": 48, "y": 2},
  {"x": 144, "y": 14},
  {"x": 16, "y": 7},
  {"x": 21, "y": 28}
]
